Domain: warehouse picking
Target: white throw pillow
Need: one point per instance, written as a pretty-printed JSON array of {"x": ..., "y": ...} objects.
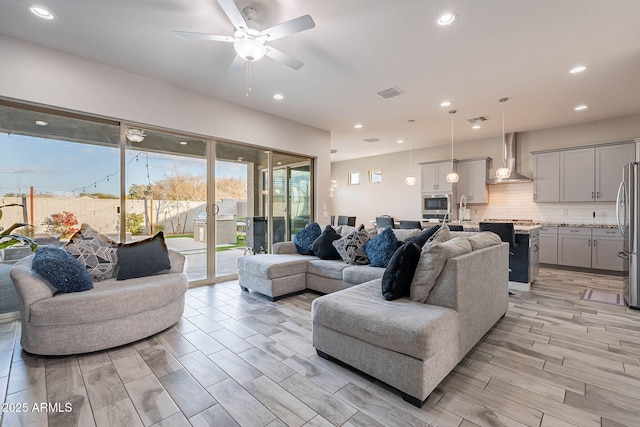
[
  {"x": 483, "y": 240},
  {"x": 432, "y": 260}
]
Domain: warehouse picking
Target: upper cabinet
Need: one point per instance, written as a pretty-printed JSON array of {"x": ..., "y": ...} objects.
[
  {"x": 577, "y": 175},
  {"x": 609, "y": 162},
  {"x": 546, "y": 177},
  {"x": 434, "y": 178},
  {"x": 472, "y": 182},
  {"x": 582, "y": 174}
]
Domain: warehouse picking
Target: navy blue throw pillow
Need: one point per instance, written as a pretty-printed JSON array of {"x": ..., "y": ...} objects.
[
  {"x": 323, "y": 247},
  {"x": 61, "y": 269},
  {"x": 381, "y": 248},
  {"x": 142, "y": 258},
  {"x": 397, "y": 277},
  {"x": 305, "y": 237},
  {"x": 422, "y": 238}
]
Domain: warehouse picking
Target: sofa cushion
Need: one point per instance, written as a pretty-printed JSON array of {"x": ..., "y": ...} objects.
[
  {"x": 61, "y": 269},
  {"x": 421, "y": 238},
  {"x": 110, "y": 299},
  {"x": 327, "y": 268},
  {"x": 143, "y": 258},
  {"x": 402, "y": 325},
  {"x": 351, "y": 247},
  {"x": 356, "y": 274},
  {"x": 274, "y": 266},
  {"x": 433, "y": 257},
  {"x": 97, "y": 252},
  {"x": 381, "y": 248},
  {"x": 403, "y": 234},
  {"x": 322, "y": 247},
  {"x": 398, "y": 275},
  {"x": 305, "y": 237},
  {"x": 484, "y": 239}
]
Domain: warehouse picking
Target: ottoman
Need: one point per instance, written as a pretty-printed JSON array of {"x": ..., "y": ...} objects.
[{"x": 273, "y": 275}]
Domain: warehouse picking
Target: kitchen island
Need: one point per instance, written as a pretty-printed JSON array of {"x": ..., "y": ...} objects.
[{"x": 524, "y": 260}]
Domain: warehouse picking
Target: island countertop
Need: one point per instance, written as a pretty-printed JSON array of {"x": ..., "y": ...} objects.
[{"x": 519, "y": 228}]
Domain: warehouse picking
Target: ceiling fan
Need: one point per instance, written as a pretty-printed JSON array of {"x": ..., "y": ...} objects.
[{"x": 249, "y": 43}]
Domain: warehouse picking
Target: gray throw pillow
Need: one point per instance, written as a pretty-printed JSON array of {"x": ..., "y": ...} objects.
[
  {"x": 484, "y": 239},
  {"x": 432, "y": 260},
  {"x": 351, "y": 247},
  {"x": 442, "y": 235}
]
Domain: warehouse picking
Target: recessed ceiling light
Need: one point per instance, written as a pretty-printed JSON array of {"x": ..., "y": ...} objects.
[
  {"x": 41, "y": 12},
  {"x": 278, "y": 97},
  {"x": 445, "y": 103},
  {"x": 183, "y": 142},
  {"x": 357, "y": 126},
  {"x": 581, "y": 107},
  {"x": 400, "y": 141},
  {"x": 476, "y": 127},
  {"x": 41, "y": 123},
  {"x": 447, "y": 18},
  {"x": 577, "y": 69}
]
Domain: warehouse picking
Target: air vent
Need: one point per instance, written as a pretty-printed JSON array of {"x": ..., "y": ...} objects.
[
  {"x": 390, "y": 93},
  {"x": 334, "y": 151},
  {"x": 478, "y": 119},
  {"x": 371, "y": 139}
]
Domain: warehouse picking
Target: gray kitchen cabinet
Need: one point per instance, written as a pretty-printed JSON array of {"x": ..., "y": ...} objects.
[
  {"x": 607, "y": 242},
  {"x": 546, "y": 177},
  {"x": 472, "y": 182},
  {"x": 549, "y": 245},
  {"x": 434, "y": 177},
  {"x": 574, "y": 246},
  {"x": 577, "y": 175},
  {"x": 609, "y": 162}
]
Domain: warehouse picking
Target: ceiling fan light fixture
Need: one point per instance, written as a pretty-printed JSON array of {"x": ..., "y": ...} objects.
[
  {"x": 447, "y": 18},
  {"x": 135, "y": 135},
  {"x": 250, "y": 49}
]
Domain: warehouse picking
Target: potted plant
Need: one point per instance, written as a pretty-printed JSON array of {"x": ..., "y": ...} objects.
[{"x": 8, "y": 239}]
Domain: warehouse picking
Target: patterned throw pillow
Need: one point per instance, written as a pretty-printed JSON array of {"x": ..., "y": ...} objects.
[
  {"x": 381, "y": 248},
  {"x": 305, "y": 237},
  {"x": 351, "y": 247},
  {"x": 95, "y": 251}
]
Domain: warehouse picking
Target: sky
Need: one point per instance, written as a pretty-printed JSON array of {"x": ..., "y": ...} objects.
[{"x": 65, "y": 168}]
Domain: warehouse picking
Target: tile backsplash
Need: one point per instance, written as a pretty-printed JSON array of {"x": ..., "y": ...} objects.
[{"x": 515, "y": 201}]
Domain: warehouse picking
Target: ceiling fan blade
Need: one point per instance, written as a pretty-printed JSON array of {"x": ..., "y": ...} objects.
[
  {"x": 293, "y": 26},
  {"x": 283, "y": 58},
  {"x": 237, "y": 65},
  {"x": 233, "y": 13},
  {"x": 202, "y": 36}
]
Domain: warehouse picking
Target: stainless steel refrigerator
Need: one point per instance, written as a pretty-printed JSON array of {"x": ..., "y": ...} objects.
[{"x": 628, "y": 216}]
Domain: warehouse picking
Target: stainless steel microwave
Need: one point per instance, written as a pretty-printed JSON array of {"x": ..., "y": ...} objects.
[{"x": 436, "y": 203}]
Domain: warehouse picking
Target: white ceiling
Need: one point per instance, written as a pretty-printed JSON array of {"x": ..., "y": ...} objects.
[{"x": 496, "y": 48}]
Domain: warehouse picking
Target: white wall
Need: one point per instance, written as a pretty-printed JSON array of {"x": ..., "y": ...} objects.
[
  {"x": 40, "y": 75},
  {"x": 510, "y": 201}
]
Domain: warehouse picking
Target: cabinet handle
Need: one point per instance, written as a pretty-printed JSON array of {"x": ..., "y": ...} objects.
[
  {"x": 597, "y": 194},
  {"x": 574, "y": 231},
  {"x": 595, "y": 242},
  {"x": 589, "y": 240},
  {"x": 592, "y": 194}
]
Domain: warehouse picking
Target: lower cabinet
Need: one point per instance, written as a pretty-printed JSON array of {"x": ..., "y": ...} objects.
[
  {"x": 607, "y": 243},
  {"x": 549, "y": 245},
  {"x": 584, "y": 247},
  {"x": 574, "y": 246}
]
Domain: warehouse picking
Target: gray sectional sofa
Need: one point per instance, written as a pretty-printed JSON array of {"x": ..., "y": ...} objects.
[
  {"x": 113, "y": 313},
  {"x": 409, "y": 345}
]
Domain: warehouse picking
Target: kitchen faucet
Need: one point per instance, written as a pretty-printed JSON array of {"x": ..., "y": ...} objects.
[{"x": 463, "y": 201}]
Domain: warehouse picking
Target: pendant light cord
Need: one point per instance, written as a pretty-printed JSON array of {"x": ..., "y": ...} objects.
[{"x": 411, "y": 147}]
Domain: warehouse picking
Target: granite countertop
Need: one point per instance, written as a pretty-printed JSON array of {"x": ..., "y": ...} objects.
[{"x": 527, "y": 227}]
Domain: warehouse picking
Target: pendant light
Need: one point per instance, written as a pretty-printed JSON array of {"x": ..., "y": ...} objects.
[
  {"x": 504, "y": 171},
  {"x": 452, "y": 176},
  {"x": 410, "y": 180}
]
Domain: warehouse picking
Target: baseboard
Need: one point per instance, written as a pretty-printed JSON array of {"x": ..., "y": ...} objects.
[
  {"x": 9, "y": 317},
  {"x": 519, "y": 286}
]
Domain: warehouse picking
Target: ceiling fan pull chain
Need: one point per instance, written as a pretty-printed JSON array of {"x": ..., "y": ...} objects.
[{"x": 247, "y": 75}]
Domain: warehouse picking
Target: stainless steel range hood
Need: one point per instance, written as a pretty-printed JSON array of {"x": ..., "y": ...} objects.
[{"x": 510, "y": 155}]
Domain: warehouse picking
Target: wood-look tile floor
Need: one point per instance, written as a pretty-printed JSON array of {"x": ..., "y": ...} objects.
[{"x": 238, "y": 359}]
